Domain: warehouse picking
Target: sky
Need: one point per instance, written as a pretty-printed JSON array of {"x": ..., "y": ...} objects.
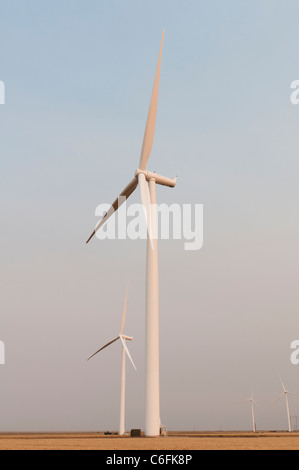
[{"x": 78, "y": 79}]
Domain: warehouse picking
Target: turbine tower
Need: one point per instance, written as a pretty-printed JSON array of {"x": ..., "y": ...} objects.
[
  {"x": 285, "y": 394},
  {"x": 125, "y": 351},
  {"x": 147, "y": 182}
]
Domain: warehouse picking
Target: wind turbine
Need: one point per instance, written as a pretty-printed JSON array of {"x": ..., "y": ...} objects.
[
  {"x": 285, "y": 394},
  {"x": 147, "y": 184},
  {"x": 253, "y": 403},
  {"x": 123, "y": 338}
]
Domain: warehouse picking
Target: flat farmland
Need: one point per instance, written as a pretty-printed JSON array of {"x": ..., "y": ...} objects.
[{"x": 174, "y": 441}]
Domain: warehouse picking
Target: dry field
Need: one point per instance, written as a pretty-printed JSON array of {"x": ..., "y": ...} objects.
[{"x": 175, "y": 441}]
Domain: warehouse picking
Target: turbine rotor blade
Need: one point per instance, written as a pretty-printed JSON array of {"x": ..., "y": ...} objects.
[
  {"x": 146, "y": 203},
  {"x": 127, "y": 351},
  {"x": 152, "y": 116},
  {"x": 284, "y": 389},
  {"x": 104, "y": 347},
  {"x": 278, "y": 399},
  {"x": 116, "y": 205},
  {"x": 124, "y": 312}
]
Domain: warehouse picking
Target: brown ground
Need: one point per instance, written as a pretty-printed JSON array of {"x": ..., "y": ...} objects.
[{"x": 176, "y": 441}]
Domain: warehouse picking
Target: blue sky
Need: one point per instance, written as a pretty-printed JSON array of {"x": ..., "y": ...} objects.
[{"x": 78, "y": 79}]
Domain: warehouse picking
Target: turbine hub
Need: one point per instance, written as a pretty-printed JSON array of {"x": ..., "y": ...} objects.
[
  {"x": 159, "y": 179},
  {"x": 127, "y": 338}
]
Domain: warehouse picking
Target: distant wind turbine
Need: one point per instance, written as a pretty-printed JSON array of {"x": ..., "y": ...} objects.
[
  {"x": 285, "y": 394},
  {"x": 125, "y": 351},
  {"x": 253, "y": 403}
]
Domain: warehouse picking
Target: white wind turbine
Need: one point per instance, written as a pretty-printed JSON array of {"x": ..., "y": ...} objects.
[
  {"x": 147, "y": 183},
  {"x": 253, "y": 403},
  {"x": 125, "y": 351},
  {"x": 285, "y": 394}
]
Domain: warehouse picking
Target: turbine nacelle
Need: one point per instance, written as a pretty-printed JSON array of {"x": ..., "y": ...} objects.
[
  {"x": 127, "y": 338},
  {"x": 159, "y": 179}
]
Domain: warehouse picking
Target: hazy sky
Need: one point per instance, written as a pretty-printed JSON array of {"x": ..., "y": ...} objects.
[{"x": 78, "y": 78}]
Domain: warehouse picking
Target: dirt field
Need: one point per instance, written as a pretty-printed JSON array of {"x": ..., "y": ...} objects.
[{"x": 182, "y": 441}]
